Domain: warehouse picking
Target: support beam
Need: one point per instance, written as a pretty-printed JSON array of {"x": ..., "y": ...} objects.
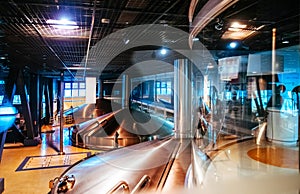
[
  {"x": 183, "y": 98},
  {"x": 21, "y": 88},
  {"x": 61, "y": 129},
  {"x": 100, "y": 88},
  {"x": 2, "y": 142},
  {"x": 125, "y": 91},
  {"x": 34, "y": 102}
]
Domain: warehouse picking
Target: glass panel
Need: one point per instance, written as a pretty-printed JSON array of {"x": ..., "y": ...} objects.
[
  {"x": 81, "y": 92},
  {"x": 74, "y": 85},
  {"x": 67, "y": 85},
  {"x": 81, "y": 85},
  {"x": 75, "y": 93},
  {"x": 68, "y": 93}
]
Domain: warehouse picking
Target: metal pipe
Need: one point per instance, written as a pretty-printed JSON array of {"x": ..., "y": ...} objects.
[
  {"x": 182, "y": 98},
  {"x": 125, "y": 91},
  {"x": 142, "y": 185},
  {"x": 61, "y": 129},
  {"x": 273, "y": 65},
  {"x": 100, "y": 88},
  {"x": 90, "y": 38},
  {"x": 121, "y": 185}
]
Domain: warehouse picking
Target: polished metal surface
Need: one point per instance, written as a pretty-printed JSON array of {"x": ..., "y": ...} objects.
[
  {"x": 120, "y": 128},
  {"x": 137, "y": 168},
  {"x": 183, "y": 98},
  {"x": 125, "y": 91}
]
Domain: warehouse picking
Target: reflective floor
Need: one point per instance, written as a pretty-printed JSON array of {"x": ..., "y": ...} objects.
[
  {"x": 33, "y": 181},
  {"x": 230, "y": 159}
]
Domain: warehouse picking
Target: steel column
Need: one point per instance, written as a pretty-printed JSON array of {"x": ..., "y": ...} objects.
[
  {"x": 183, "y": 98},
  {"x": 125, "y": 91},
  {"x": 61, "y": 130}
]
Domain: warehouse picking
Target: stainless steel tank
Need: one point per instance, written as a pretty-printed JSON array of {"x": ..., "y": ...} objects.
[
  {"x": 120, "y": 128},
  {"x": 137, "y": 168}
]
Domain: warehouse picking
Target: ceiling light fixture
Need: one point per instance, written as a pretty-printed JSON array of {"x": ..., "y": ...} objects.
[
  {"x": 105, "y": 20},
  {"x": 233, "y": 45},
  {"x": 79, "y": 68},
  {"x": 63, "y": 24},
  {"x": 195, "y": 39},
  {"x": 163, "y": 51},
  {"x": 237, "y": 25}
]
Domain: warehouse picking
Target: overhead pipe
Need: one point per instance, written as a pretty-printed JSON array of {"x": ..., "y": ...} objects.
[
  {"x": 90, "y": 39},
  {"x": 125, "y": 91},
  {"x": 192, "y": 8},
  {"x": 209, "y": 11},
  {"x": 61, "y": 120},
  {"x": 182, "y": 98}
]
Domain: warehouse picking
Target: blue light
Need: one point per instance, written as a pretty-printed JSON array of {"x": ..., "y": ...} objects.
[
  {"x": 7, "y": 116},
  {"x": 163, "y": 51},
  {"x": 233, "y": 45}
]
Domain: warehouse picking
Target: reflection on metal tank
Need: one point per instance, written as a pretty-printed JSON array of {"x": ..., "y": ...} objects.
[
  {"x": 120, "y": 128},
  {"x": 133, "y": 169},
  {"x": 85, "y": 112}
]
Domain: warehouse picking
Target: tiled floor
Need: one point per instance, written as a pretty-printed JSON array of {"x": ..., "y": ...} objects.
[
  {"x": 33, "y": 181},
  {"x": 230, "y": 160}
]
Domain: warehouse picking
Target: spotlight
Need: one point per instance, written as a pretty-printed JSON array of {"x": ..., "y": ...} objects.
[
  {"x": 63, "y": 24},
  {"x": 163, "y": 51},
  {"x": 233, "y": 45},
  {"x": 126, "y": 40}
]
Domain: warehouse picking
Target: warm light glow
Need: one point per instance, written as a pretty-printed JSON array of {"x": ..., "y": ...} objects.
[
  {"x": 237, "y": 31},
  {"x": 63, "y": 24},
  {"x": 234, "y": 29},
  {"x": 65, "y": 27},
  {"x": 105, "y": 20},
  {"x": 237, "y": 25}
]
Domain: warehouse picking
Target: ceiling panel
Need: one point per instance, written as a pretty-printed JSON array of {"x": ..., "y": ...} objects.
[{"x": 27, "y": 39}]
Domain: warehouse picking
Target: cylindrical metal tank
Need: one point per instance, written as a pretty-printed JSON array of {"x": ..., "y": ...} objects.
[
  {"x": 120, "y": 128},
  {"x": 134, "y": 169}
]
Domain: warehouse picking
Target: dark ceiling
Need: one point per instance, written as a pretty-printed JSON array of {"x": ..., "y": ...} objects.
[{"x": 28, "y": 41}]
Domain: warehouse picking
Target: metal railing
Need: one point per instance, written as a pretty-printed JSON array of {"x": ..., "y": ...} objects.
[
  {"x": 122, "y": 185},
  {"x": 142, "y": 185}
]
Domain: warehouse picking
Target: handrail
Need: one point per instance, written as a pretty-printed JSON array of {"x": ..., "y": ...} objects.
[
  {"x": 118, "y": 186},
  {"x": 142, "y": 184},
  {"x": 167, "y": 168},
  {"x": 154, "y": 107}
]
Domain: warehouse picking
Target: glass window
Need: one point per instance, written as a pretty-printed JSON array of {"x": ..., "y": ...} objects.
[
  {"x": 67, "y": 85},
  {"x": 68, "y": 93},
  {"x": 1, "y": 98},
  {"x": 75, "y": 92},
  {"x": 81, "y": 92},
  {"x": 81, "y": 85},
  {"x": 75, "y": 85},
  {"x": 74, "y": 89}
]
